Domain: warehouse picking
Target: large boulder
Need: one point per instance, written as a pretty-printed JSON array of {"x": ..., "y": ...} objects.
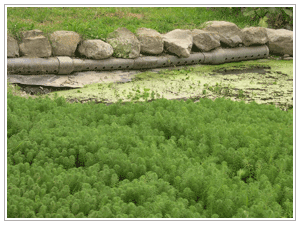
[
  {"x": 125, "y": 44},
  {"x": 12, "y": 47},
  {"x": 229, "y": 33},
  {"x": 151, "y": 41},
  {"x": 64, "y": 43},
  {"x": 96, "y": 49},
  {"x": 254, "y": 36},
  {"x": 35, "y": 44},
  {"x": 280, "y": 41},
  {"x": 179, "y": 42},
  {"x": 205, "y": 40}
]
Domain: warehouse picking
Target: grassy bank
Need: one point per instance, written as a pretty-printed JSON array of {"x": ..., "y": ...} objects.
[{"x": 97, "y": 22}]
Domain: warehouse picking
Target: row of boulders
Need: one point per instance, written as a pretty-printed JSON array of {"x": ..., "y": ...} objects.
[{"x": 122, "y": 43}]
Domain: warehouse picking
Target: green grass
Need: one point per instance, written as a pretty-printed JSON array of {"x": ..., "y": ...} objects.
[{"x": 98, "y": 22}]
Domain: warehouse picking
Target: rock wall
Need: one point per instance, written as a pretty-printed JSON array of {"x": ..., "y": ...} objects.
[{"x": 122, "y": 43}]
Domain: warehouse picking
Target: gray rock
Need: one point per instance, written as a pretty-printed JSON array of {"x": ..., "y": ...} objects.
[
  {"x": 254, "y": 36},
  {"x": 12, "y": 47},
  {"x": 280, "y": 41},
  {"x": 179, "y": 42},
  {"x": 125, "y": 44},
  {"x": 96, "y": 49},
  {"x": 205, "y": 40},
  {"x": 229, "y": 33},
  {"x": 151, "y": 41},
  {"x": 64, "y": 43},
  {"x": 31, "y": 34},
  {"x": 35, "y": 44}
]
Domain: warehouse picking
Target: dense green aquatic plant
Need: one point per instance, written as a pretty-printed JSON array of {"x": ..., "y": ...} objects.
[{"x": 166, "y": 159}]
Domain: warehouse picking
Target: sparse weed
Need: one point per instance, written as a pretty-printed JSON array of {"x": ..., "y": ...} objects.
[{"x": 241, "y": 94}]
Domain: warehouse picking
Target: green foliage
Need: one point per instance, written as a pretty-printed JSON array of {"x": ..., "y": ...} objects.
[
  {"x": 273, "y": 17},
  {"x": 165, "y": 159}
]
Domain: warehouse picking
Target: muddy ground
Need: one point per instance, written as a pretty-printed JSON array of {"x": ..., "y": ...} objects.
[{"x": 266, "y": 81}]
